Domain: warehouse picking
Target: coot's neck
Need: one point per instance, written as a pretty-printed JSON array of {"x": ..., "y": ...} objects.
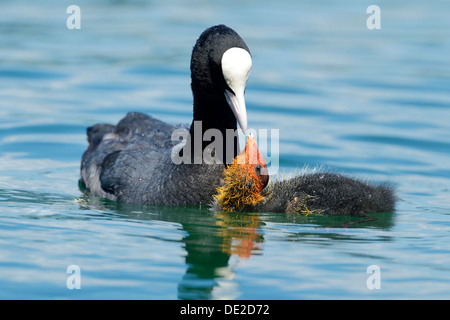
[{"x": 213, "y": 112}]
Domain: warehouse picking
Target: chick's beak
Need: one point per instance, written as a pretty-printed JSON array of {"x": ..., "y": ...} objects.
[
  {"x": 255, "y": 159},
  {"x": 252, "y": 154}
]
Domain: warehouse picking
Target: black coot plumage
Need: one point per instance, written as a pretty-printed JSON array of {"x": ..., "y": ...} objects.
[
  {"x": 327, "y": 193},
  {"x": 131, "y": 162}
]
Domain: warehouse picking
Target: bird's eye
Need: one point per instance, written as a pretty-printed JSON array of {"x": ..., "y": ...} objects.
[{"x": 258, "y": 169}]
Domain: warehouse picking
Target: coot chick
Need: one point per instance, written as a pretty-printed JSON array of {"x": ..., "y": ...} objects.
[
  {"x": 243, "y": 180},
  {"x": 132, "y": 161},
  {"x": 244, "y": 190}
]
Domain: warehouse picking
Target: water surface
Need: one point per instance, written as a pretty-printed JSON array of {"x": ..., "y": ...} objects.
[{"x": 374, "y": 104}]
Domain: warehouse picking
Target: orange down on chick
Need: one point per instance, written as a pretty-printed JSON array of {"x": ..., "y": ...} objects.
[{"x": 243, "y": 180}]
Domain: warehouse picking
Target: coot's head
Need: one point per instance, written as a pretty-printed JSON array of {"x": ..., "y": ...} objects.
[
  {"x": 220, "y": 67},
  {"x": 244, "y": 180}
]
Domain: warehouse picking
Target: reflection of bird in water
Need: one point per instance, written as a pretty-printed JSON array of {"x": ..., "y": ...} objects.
[
  {"x": 241, "y": 234},
  {"x": 244, "y": 189}
]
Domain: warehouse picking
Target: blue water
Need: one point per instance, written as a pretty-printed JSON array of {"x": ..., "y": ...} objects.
[{"x": 374, "y": 104}]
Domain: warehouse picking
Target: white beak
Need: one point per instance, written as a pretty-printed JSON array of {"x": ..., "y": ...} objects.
[{"x": 237, "y": 104}]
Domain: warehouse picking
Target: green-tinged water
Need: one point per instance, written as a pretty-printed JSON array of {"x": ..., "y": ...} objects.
[{"x": 373, "y": 104}]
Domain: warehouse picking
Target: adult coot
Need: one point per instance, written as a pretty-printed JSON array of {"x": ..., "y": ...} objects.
[{"x": 133, "y": 162}]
